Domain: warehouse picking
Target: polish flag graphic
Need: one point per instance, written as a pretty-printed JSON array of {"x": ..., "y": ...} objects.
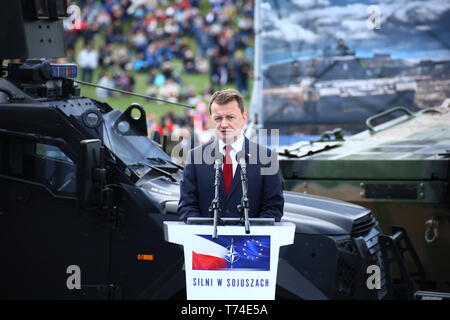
[
  {"x": 227, "y": 252},
  {"x": 208, "y": 255}
]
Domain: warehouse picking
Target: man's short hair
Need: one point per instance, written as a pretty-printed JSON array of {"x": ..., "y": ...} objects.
[{"x": 222, "y": 97}]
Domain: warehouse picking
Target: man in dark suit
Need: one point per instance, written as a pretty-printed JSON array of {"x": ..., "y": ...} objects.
[{"x": 265, "y": 192}]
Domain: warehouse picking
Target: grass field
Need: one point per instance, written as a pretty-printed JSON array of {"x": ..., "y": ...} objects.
[{"x": 122, "y": 101}]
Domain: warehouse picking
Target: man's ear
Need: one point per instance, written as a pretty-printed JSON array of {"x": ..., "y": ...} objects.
[{"x": 245, "y": 115}]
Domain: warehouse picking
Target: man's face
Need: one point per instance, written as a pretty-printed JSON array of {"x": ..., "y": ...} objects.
[{"x": 228, "y": 120}]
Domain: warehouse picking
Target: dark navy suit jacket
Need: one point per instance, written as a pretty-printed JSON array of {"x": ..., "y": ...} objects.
[{"x": 265, "y": 192}]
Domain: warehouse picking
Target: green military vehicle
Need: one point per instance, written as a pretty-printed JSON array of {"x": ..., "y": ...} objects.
[{"x": 399, "y": 169}]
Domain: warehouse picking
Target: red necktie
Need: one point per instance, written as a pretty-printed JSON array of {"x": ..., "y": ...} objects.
[{"x": 227, "y": 169}]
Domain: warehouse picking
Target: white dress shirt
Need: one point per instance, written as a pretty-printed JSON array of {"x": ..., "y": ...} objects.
[
  {"x": 88, "y": 59},
  {"x": 237, "y": 146}
]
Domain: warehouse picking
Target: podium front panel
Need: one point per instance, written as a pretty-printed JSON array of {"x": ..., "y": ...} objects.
[{"x": 236, "y": 265}]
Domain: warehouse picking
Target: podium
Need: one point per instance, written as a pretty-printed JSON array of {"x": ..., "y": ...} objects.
[{"x": 236, "y": 265}]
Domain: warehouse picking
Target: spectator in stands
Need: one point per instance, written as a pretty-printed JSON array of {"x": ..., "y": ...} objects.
[
  {"x": 189, "y": 62},
  {"x": 105, "y": 81},
  {"x": 241, "y": 68},
  {"x": 147, "y": 35},
  {"x": 88, "y": 62},
  {"x": 170, "y": 90},
  {"x": 105, "y": 58}
]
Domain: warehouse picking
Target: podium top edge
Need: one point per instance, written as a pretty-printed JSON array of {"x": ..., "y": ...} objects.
[
  {"x": 275, "y": 224},
  {"x": 229, "y": 221}
]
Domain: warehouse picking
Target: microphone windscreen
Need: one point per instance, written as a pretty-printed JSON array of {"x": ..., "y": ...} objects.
[
  {"x": 218, "y": 159},
  {"x": 241, "y": 157}
]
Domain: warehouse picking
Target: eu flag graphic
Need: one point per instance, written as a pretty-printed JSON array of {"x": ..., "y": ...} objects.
[{"x": 231, "y": 253}]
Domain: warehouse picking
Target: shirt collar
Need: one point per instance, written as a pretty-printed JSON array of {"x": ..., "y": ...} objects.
[{"x": 237, "y": 145}]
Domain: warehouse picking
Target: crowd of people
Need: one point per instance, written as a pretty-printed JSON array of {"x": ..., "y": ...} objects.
[{"x": 125, "y": 37}]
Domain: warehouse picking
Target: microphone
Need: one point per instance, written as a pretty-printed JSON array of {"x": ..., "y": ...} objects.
[
  {"x": 217, "y": 166},
  {"x": 218, "y": 159},
  {"x": 242, "y": 159},
  {"x": 215, "y": 202}
]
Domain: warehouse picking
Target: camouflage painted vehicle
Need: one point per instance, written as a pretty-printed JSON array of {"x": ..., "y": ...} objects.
[{"x": 398, "y": 169}]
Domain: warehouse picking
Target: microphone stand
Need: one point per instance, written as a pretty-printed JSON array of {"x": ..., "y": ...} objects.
[
  {"x": 244, "y": 206},
  {"x": 215, "y": 202}
]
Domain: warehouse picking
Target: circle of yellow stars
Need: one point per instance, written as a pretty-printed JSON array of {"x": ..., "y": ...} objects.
[{"x": 258, "y": 244}]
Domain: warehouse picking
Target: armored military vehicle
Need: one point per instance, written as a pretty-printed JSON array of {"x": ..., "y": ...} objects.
[
  {"x": 399, "y": 169},
  {"x": 84, "y": 193}
]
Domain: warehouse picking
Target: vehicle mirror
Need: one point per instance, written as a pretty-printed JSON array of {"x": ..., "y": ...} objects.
[{"x": 91, "y": 174}]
